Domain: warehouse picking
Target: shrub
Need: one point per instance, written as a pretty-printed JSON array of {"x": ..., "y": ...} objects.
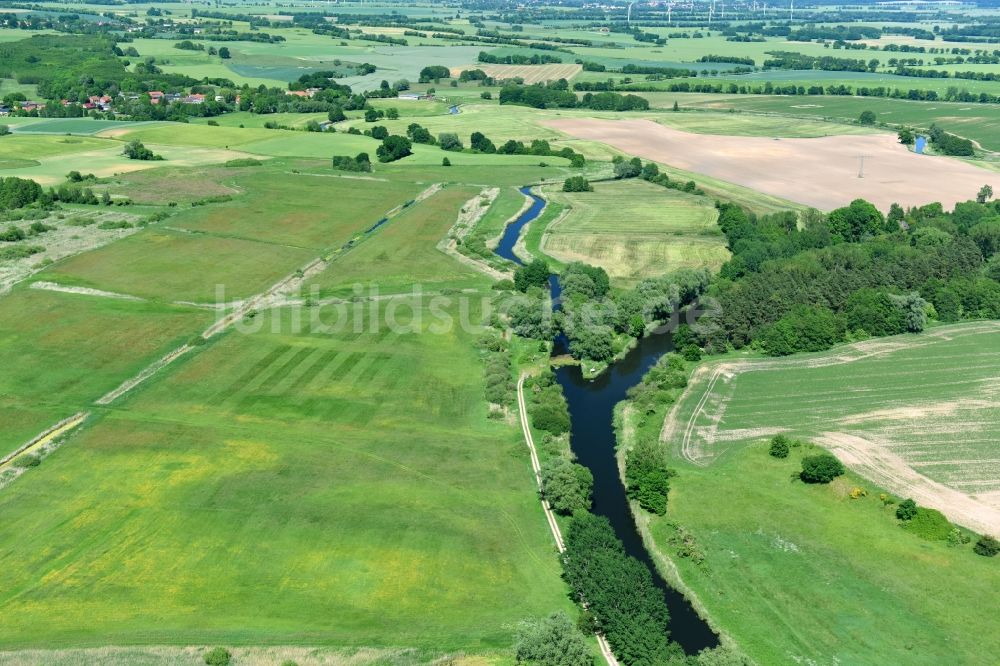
[
  {"x": 445, "y": 161},
  {"x": 906, "y": 510},
  {"x": 12, "y": 234},
  {"x": 779, "y": 447},
  {"x": 27, "y": 460},
  {"x": 821, "y": 468},
  {"x": 929, "y": 524},
  {"x": 691, "y": 352},
  {"x": 115, "y": 224},
  {"x": 19, "y": 251},
  {"x": 360, "y": 162},
  {"x": 450, "y": 141},
  {"x": 957, "y": 537},
  {"x": 134, "y": 150},
  {"x": 867, "y": 118},
  {"x": 244, "y": 162},
  {"x": 218, "y": 656},
  {"x": 4, "y": 130},
  {"x": 987, "y": 546}
]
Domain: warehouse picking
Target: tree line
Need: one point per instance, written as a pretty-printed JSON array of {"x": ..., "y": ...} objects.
[{"x": 806, "y": 284}]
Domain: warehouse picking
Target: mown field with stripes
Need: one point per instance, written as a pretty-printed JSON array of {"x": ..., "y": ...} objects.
[{"x": 322, "y": 473}]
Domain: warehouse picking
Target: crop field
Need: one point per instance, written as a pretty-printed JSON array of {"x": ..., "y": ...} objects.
[
  {"x": 85, "y": 126},
  {"x": 821, "y": 172},
  {"x": 530, "y": 73},
  {"x": 978, "y": 122},
  {"x": 739, "y": 124},
  {"x": 297, "y": 487},
  {"x": 917, "y": 414},
  {"x": 81, "y": 347},
  {"x": 635, "y": 229}
]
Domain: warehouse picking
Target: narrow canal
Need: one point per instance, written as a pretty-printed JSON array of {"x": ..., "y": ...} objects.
[{"x": 592, "y": 437}]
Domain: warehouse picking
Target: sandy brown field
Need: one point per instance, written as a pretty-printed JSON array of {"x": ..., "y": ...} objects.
[
  {"x": 530, "y": 73},
  {"x": 820, "y": 172}
]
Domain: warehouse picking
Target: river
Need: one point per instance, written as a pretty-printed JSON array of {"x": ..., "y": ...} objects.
[{"x": 592, "y": 438}]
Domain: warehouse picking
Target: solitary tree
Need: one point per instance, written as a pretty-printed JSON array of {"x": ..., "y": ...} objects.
[
  {"x": 449, "y": 141},
  {"x": 393, "y": 148},
  {"x": 445, "y": 162},
  {"x": 906, "y": 136},
  {"x": 4, "y": 130},
  {"x": 867, "y": 118},
  {"x": 985, "y": 193},
  {"x": 224, "y": 52},
  {"x": 821, "y": 468}
]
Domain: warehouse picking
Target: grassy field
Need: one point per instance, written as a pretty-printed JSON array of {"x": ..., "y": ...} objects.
[
  {"x": 916, "y": 414},
  {"x": 403, "y": 253},
  {"x": 805, "y": 574},
  {"x": 303, "y": 487},
  {"x": 300, "y": 485},
  {"x": 312, "y": 222},
  {"x": 635, "y": 229},
  {"x": 47, "y": 158},
  {"x": 979, "y": 122},
  {"x": 169, "y": 265},
  {"x": 63, "y": 351}
]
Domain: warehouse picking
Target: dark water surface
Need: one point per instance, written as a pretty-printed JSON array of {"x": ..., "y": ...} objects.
[{"x": 592, "y": 437}]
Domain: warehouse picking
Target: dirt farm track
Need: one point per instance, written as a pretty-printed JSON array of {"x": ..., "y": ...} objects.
[{"x": 820, "y": 172}]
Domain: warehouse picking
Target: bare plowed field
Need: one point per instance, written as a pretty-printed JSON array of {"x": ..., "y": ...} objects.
[{"x": 822, "y": 172}]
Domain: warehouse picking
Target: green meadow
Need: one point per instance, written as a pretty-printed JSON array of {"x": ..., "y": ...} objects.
[
  {"x": 301, "y": 481},
  {"x": 979, "y": 122},
  {"x": 308, "y": 487},
  {"x": 796, "y": 573},
  {"x": 80, "y": 348},
  {"x": 403, "y": 253},
  {"x": 634, "y": 229}
]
